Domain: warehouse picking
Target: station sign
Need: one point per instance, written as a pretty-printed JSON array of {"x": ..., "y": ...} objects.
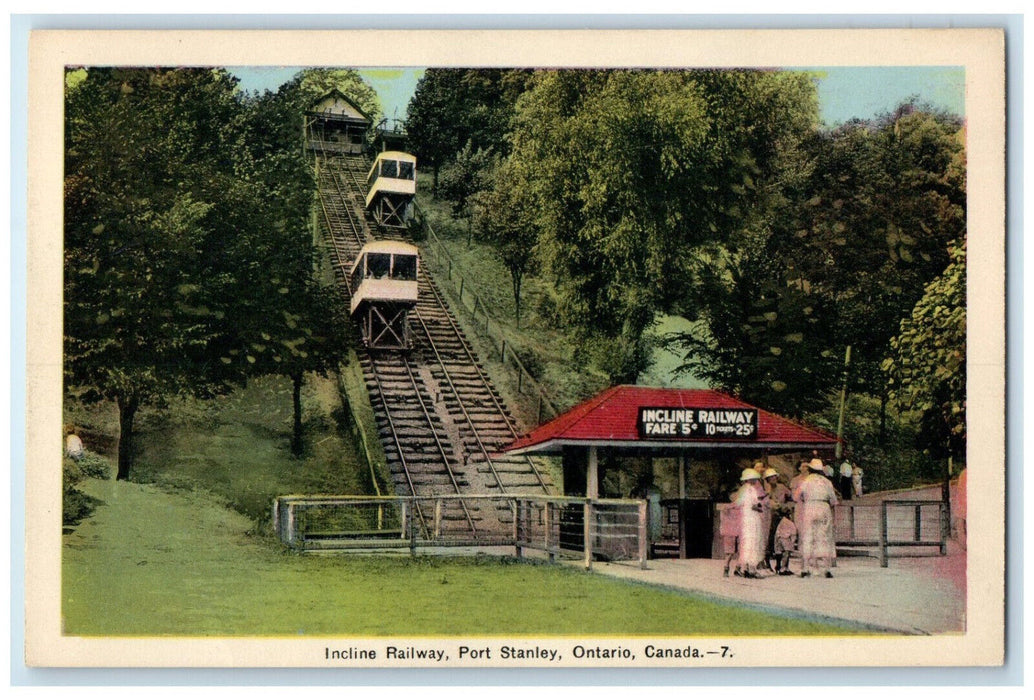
[{"x": 698, "y": 423}]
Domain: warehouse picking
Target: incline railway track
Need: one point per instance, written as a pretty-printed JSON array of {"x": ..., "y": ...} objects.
[{"x": 440, "y": 419}]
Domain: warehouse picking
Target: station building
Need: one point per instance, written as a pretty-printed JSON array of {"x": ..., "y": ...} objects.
[
  {"x": 682, "y": 449},
  {"x": 338, "y": 123}
]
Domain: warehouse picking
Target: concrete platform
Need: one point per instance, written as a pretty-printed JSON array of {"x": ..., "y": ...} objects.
[{"x": 914, "y": 595}]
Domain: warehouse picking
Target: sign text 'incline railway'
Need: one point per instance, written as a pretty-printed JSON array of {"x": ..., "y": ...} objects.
[{"x": 698, "y": 423}]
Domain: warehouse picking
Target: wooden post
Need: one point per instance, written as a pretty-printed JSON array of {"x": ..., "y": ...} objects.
[
  {"x": 548, "y": 526},
  {"x": 592, "y": 476},
  {"x": 592, "y": 491},
  {"x": 919, "y": 524},
  {"x": 587, "y": 532},
  {"x": 883, "y": 534},
  {"x": 850, "y": 516},
  {"x": 290, "y": 524},
  {"x": 945, "y": 511},
  {"x": 683, "y": 545},
  {"x": 538, "y": 412},
  {"x": 515, "y": 506},
  {"x": 405, "y": 521},
  {"x": 644, "y": 545},
  {"x": 412, "y": 531},
  {"x": 437, "y": 517},
  {"x": 276, "y": 519},
  {"x": 838, "y": 450},
  {"x": 502, "y": 353},
  {"x": 461, "y": 287}
]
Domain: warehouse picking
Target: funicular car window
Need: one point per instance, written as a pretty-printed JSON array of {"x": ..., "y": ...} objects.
[
  {"x": 405, "y": 267},
  {"x": 378, "y": 264},
  {"x": 405, "y": 170},
  {"x": 390, "y": 168}
]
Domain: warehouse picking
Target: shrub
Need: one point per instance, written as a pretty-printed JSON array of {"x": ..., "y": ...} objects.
[
  {"x": 76, "y": 505},
  {"x": 94, "y": 466}
]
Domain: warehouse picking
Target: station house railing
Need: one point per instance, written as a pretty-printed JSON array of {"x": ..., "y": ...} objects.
[
  {"x": 893, "y": 524},
  {"x": 555, "y": 526}
]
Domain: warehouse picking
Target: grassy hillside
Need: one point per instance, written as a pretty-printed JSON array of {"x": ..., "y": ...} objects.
[
  {"x": 150, "y": 562},
  {"x": 548, "y": 353},
  {"x": 237, "y": 447}
]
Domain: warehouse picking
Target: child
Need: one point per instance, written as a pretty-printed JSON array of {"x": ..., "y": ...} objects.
[{"x": 785, "y": 542}]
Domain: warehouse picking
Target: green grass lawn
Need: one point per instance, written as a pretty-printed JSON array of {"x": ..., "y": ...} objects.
[{"x": 151, "y": 562}]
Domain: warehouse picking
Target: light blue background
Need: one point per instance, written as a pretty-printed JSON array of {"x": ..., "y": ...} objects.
[
  {"x": 1011, "y": 674},
  {"x": 844, "y": 92}
]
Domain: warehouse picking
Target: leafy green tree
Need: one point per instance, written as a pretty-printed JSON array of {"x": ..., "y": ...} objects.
[
  {"x": 432, "y": 136},
  {"x": 505, "y": 215},
  {"x": 636, "y": 173},
  {"x": 285, "y": 322},
  {"x": 885, "y": 200},
  {"x": 927, "y": 367},
  {"x": 150, "y": 201},
  {"x": 856, "y": 227},
  {"x": 314, "y": 83},
  {"x": 452, "y": 107},
  {"x": 468, "y": 174}
]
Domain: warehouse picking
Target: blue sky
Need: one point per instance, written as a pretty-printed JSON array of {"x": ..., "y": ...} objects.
[{"x": 844, "y": 92}]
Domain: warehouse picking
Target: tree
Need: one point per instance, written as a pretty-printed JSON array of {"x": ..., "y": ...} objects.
[
  {"x": 856, "y": 226},
  {"x": 469, "y": 173},
  {"x": 506, "y": 216},
  {"x": 285, "y": 322},
  {"x": 314, "y": 83},
  {"x": 452, "y": 107},
  {"x": 927, "y": 365},
  {"x": 635, "y": 173},
  {"x": 150, "y": 201},
  {"x": 885, "y": 200}
]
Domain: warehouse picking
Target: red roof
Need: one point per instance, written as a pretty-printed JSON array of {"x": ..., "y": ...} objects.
[{"x": 611, "y": 418}]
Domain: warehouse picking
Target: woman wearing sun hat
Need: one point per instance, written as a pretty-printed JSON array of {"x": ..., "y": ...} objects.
[
  {"x": 816, "y": 497},
  {"x": 749, "y": 499}
]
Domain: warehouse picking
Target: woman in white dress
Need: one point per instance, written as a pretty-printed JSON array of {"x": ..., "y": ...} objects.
[
  {"x": 815, "y": 498},
  {"x": 750, "y": 500}
]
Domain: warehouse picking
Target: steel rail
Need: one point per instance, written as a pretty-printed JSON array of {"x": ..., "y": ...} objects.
[
  {"x": 441, "y": 448},
  {"x": 463, "y": 408},
  {"x": 398, "y": 445},
  {"x": 484, "y": 379}
]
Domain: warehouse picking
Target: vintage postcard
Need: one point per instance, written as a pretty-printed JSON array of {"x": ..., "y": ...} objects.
[{"x": 516, "y": 349}]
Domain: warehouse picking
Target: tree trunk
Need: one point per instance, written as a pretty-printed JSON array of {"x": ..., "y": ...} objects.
[
  {"x": 517, "y": 277},
  {"x": 881, "y": 440},
  {"x": 296, "y": 439},
  {"x": 127, "y": 406}
]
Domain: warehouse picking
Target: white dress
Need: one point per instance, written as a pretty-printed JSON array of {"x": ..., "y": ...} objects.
[{"x": 816, "y": 498}]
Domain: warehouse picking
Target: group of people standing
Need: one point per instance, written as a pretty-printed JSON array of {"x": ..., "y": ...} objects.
[{"x": 767, "y": 520}]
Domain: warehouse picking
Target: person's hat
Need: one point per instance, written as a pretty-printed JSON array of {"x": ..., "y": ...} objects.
[
  {"x": 771, "y": 472},
  {"x": 758, "y": 466},
  {"x": 749, "y": 474},
  {"x": 817, "y": 464}
]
